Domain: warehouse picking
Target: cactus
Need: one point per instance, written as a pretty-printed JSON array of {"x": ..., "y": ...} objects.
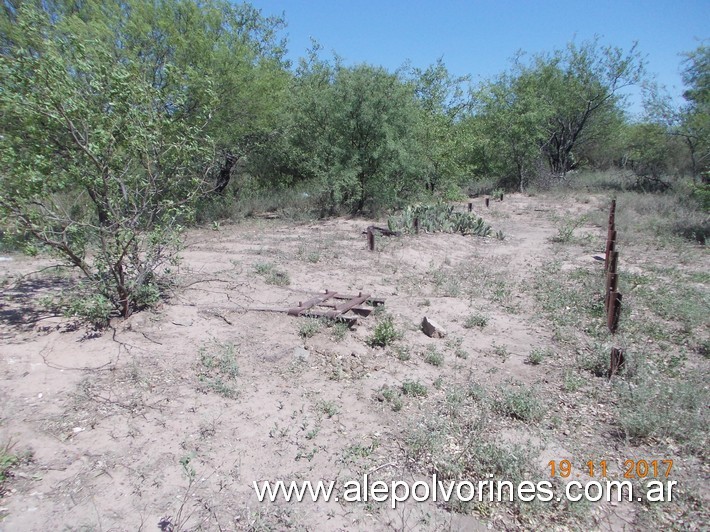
[{"x": 439, "y": 217}]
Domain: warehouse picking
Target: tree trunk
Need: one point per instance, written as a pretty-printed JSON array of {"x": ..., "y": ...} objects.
[{"x": 225, "y": 173}]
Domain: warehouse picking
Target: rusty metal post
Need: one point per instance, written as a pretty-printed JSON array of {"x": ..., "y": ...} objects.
[
  {"x": 470, "y": 206},
  {"x": 416, "y": 226},
  {"x": 612, "y": 284},
  {"x": 488, "y": 200},
  {"x": 612, "y": 278},
  {"x": 614, "y": 312},
  {"x": 612, "y": 214},
  {"x": 610, "y": 246},
  {"x": 370, "y": 239},
  {"x": 501, "y": 197}
]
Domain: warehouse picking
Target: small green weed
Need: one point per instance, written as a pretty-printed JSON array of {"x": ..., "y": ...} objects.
[
  {"x": 329, "y": 408},
  {"x": 392, "y": 396},
  {"x": 433, "y": 356},
  {"x": 565, "y": 231},
  {"x": 537, "y": 355},
  {"x": 218, "y": 368},
  {"x": 402, "y": 353},
  {"x": 385, "y": 333},
  {"x": 339, "y": 331},
  {"x": 520, "y": 403},
  {"x": 7, "y": 460},
  {"x": 475, "y": 320},
  {"x": 271, "y": 274},
  {"x": 501, "y": 351},
  {"x": 309, "y": 327},
  {"x": 414, "y": 389},
  {"x": 572, "y": 382}
]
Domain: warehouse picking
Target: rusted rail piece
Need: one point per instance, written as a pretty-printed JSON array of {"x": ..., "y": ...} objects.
[{"x": 335, "y": 311}]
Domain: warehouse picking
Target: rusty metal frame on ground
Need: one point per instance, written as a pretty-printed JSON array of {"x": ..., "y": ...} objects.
[{"x": 345, "y": 312}]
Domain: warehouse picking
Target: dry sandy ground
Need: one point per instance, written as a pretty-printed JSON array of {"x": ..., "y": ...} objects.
[{"x": 127, "y": 429}]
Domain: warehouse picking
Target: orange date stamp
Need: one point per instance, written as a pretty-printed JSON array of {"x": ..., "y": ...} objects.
[{"x": 631, "y": 468}]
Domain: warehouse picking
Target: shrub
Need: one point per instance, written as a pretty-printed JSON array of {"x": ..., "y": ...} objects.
[
  {"x": 384, "y": 334},
  {"x": 414, "y": 389},
  {"x": 95, "y": 167},
  {"x": 520, "y": 403}
]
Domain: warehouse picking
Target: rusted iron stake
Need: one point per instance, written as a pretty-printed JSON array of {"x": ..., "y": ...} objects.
[
  {"x": 612, "y": 278},
  {"x": 470, "y": 206},
  {"x": 488, "y": 201},
  {"x": 416, "y": 226},
  {"x": 612, "y": 284},
  {"x": 612, "y": 214},
  {"x": 610, "y": 245},
  {"x": 370, "y": 239},
  {"x": 612, "y": 319}
]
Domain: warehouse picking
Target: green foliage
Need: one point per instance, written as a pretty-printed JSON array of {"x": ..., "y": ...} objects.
[
  {"x": 433, "y": 357},
  {"x": 695, "y": 120},
  {"x": 95, "y": 166},
  {"x": 475, "y": 320},
  {"x": 356, "y": 134},
  {"x": 95, "y": 309},
  {"x": 536, "y": 356},
  {"x": 113, "y": 113},
  {"x": 272, "y": 274},
  {"x": 442, "y": 141},
  {"x": 385, "y": 333},
  {"x": 552, "y": 107},
  {"x": 669, "y": 408},
  {"x": 520, "y": 403},
  {"x": 414, "y": 389},
  {"x": 439, "y": 218},
  {"x": 565, "y": 230},
  {"x": 329, "y": 408},
  {"x": 702, "y": 194},
  {"x": 309, "y": 327},
  {"x": 7, "y": 460}
]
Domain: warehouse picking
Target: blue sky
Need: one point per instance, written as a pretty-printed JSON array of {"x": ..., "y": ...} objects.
[{"x": 479, "y": 37}]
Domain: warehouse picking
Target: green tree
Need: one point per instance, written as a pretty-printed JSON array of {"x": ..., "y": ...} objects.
[
  {"x": 688, "y": 122},
  {"x": 95, "y": 160},
  {"x": 442, "y": 139},
  {"x": 581, "y": 88},
  {"x": 353, "y": 132},
  {"x": 511, "y": 120},
  {"x": 694, "y": 126},
  {"x": 557, "y": 107},
  {"x": 230, "y": 59}
]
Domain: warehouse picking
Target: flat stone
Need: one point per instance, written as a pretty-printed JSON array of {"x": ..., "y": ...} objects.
[{"x": 432, "y": 329}]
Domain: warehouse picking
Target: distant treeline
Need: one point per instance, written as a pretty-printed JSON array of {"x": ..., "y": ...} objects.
[{"x": 361, "y": 136}]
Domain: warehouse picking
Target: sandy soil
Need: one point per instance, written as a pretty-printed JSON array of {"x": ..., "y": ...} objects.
[{"x": 127, "y": 433}]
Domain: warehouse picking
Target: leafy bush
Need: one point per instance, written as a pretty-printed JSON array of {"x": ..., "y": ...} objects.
[
  {"x": 94, "y": 164},
  {"x": 95, "y": 309},
  {"x": 414, "y": 389},
  {"x": 384, "y": 334},
  {"x": 520, "y": 403}
]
